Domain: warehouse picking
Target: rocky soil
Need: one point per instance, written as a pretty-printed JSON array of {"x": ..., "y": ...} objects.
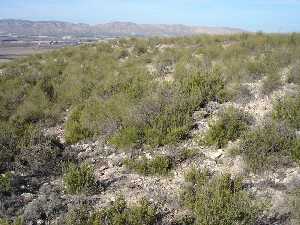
[{"x": 115, "y": 179}]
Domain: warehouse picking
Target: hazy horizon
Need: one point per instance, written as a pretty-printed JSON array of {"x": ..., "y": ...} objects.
[{"x": 265, "y": 15}]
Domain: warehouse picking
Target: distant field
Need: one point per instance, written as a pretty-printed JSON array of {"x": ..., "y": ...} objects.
[{"x": 9, "y": 53}]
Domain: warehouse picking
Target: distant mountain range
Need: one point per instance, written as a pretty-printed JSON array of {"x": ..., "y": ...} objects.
[{"x": 58, "y": 28}]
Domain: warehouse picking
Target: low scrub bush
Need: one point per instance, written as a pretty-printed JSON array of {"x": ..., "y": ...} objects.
[
  {"x": 8, "y": 145},
  {"x": 288, "y": 109},
  {"x": 5, "y": 182},
  {"x": 296, "y": 150},
  {"x": 74, "y": 131},
  {"x": 41, "y": 157},
  {"x": 187, "y": 153},
  {"x": 18, "y": 221},
  {"x": 294, "y": 74},
  {"x": 271, "y": 82},
  {"x": 116, "y": 214},
  {"x": 79, "y": 179},
  {"x": 129, "y": 137},
  {"x": 256, "y": 68},
  {"x": 216, "y": 200},
  {"x": 230, "y": 125},
  {"x": 35, "y": 107},
  {"x": 268, "y": 146},
  {"x": 160, "y": 165}
]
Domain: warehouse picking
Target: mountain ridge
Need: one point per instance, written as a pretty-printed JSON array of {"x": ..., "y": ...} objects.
[{"x": 115, "y": 28}]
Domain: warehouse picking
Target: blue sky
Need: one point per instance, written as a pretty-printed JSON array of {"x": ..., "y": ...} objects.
[{"x": 254, "y": 15}]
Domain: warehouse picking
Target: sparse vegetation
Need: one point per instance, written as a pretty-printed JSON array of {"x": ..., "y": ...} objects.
[{"x": 112, "y": 100}]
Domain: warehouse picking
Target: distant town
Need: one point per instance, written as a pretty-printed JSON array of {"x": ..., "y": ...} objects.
[{"x": 14, "y": 46}]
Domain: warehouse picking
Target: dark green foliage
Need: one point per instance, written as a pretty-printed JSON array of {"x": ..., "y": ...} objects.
[
  {"x": 230, "y": 125},
  {"x": 117, "y": 214},
  {"x": 268, "y": 146},
  {"x": 18, "y": 221},
  {"x": 296, "y": 150},
  {"x": 5, "y": 182},
  {"x": 73, "y": 129},
  {"x": 159, "y": 165},
  {"x": 42, "y": 156},
  {"x": 27, "y": 150},
  {"x": 187, "y": 153},
  {"x": 79, "y": 179},
  {"x": 120, "y": 214},
  {"x": 174, "y": 122},
  {"x": 288, "y": 109},
  {"x": 127, "y": 138},
  {"x": 294, "y": 74},
  {"x": 34, "y": 108},
  {"x": 8, "y": 145},
  {"x": 219, "y": 200}
]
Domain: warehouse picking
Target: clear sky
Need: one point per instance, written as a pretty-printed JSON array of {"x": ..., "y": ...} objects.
[{"x": 254, "y": 15}]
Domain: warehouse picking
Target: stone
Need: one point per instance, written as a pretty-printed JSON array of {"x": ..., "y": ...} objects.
[
  {"x": 212, "y": 107},
  {"x": 28, "y": 196},
  {"x": 238, "y": 167},
  {"x": 292, "y": 179}
]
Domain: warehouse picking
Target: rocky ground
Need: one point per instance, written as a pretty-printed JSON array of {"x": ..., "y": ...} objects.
[{"x": 115, "y": 179}]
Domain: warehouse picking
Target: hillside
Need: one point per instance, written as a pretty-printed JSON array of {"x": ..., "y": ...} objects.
[
  {"x": 201, "y": 130},
  {"x": 57, "y": 28}
]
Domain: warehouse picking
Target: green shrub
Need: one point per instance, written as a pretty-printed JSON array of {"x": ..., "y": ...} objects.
[
  {"x": 35, "y": 106},
  {"x": 288, "y": 109},
  {"x": 41, "y": 155},
  {"x": 127, "y": 138},
  {"x": 296, "y": 150},
  {"x": 256, "y": 68},
  {"x": 79, "y": 215},
  {"x": 268, "y": 146},
  {"x": 5, "y": 182},
  {"x": 8, "y": 145},
  {"x": 116, "y": 214},
  {"x": 160, "y": 165},
  {"x": 294, "y": 74},
  {"x": 18, "y": 221},
  {"x": 168, "y": 128},
  {"x": 271, "y": 83},
  {"x": 120, "y": 214},
  {"x": 73, "y": 129},
  {"x": 230, "y": 125},
  {"x": 187, "y": 153},
  {"x": 190, "y": 92},
  {"x": 79, "y": 179},
  {"x": 219, "y": 200}
]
